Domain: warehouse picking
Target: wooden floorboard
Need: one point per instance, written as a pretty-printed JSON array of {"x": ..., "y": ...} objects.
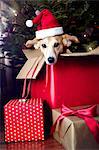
[{"x": 49, "y": 144}]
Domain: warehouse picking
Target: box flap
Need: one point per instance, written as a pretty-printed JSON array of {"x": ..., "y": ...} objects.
[
  {"x": 32, "y": 66},
  {"x": 93, "y": 52},
  {"x": 36, "y": 60},
  {"x": 30, "y": 54}
]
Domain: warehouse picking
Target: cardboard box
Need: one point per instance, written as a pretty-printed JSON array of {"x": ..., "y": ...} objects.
[
  {"x": 24, "y": 121},
  {"x": 36, "y": 57},
  {"x": 74, "y": 133},
  {"x": 72, "y": 81},
  {"x": 34, "y": 63}
]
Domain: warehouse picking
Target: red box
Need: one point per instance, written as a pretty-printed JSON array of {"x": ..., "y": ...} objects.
[
  {"x": 73, "y": 81},
  {"x": 24, "y": 121}
]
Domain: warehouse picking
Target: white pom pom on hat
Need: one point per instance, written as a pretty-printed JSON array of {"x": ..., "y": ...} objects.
[{"x": 29, "y": 23}]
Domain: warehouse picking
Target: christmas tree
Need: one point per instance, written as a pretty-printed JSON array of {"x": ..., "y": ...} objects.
[{"x": 77, "y": 17}]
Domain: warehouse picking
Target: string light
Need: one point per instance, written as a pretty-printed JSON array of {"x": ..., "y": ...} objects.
[
  {"x": 85, "y": 35},
  {"x": 90, "y": 48},
  {"x": 14, "y": 12}
]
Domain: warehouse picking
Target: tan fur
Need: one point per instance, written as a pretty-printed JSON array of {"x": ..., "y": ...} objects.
[{"x": 52, "y": 46}]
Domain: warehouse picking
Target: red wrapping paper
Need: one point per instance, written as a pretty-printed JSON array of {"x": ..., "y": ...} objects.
[
  {"x": 24, "y": 120},
  {"x": 72, "y": 81}
]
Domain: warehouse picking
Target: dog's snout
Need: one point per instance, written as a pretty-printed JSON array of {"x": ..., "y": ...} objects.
[{"x": 51, "y": 59}]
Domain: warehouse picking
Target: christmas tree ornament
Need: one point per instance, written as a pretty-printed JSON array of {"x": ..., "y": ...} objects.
[{"x": 37, "y": 12}]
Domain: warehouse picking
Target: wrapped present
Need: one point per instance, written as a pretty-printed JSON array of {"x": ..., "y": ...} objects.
[
  {"x": 24, "y": 120},
  {"x": 73, "y": 132},
  {"x": 72, "y": 81}
]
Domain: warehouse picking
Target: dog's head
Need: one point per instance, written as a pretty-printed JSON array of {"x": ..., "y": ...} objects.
[{"x": 51, "y": 47}]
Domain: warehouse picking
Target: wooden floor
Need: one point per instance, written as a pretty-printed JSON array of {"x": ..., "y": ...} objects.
[{"x": 49, "y": 144}]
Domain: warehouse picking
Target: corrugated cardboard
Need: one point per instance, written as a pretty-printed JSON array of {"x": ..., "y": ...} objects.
[
  {"x": 35, "y": 60},
  {"x": 35, "y": 57},
  {"x": 74, "y": 133},
  {"x": 30, "y": 54},
  {"x": 93, "y": 52}
]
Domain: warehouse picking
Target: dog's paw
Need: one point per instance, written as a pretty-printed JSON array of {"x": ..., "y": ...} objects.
[
  {"x": 66, "y": 42},
  {"x": 29, "y": 44},
  {"x": 68, "y": 51}
]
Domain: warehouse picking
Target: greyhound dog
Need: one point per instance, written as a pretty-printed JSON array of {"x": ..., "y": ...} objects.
[{"x": 52, "y": 46}]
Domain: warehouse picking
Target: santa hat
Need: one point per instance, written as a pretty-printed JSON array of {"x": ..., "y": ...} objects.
[{"x": 47, "y": 24}]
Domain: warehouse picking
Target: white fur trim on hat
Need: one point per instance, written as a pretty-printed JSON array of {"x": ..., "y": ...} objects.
[
  {"x": 41, "y": 34},
  {"x": 29, "y": 23}
]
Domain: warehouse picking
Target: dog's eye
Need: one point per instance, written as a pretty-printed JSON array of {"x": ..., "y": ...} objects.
[
  {"x": 56, "y": 44},
  {"x": 44, "y": 45}
]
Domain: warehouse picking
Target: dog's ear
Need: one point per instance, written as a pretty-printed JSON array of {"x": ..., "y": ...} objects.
[
  {"x": 31, "y": 43},
  {"x": 68, "y": 39}
]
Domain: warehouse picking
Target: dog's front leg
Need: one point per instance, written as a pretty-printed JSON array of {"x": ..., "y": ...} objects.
[{"x": 30, "y": 43}]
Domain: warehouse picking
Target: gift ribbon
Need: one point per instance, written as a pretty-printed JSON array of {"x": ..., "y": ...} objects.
[
  {"x": 86, "y": 114},
  {"x": 29, "y": 84},
  {"x": 50, "y": 83},
  {"x": 47, "y": 66}
]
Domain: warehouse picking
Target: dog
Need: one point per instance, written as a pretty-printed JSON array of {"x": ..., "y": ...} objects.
[{"x": 51, "y": 47}]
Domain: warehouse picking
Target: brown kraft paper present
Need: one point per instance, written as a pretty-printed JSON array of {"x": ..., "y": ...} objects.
[{"x": 73, "y": 133}]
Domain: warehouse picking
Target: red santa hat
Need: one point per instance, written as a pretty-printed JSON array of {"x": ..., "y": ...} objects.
[{"x": 47, "y": 24}]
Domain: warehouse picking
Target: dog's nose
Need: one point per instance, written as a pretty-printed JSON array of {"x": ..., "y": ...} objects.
[{"x": 51, "y": 59}]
